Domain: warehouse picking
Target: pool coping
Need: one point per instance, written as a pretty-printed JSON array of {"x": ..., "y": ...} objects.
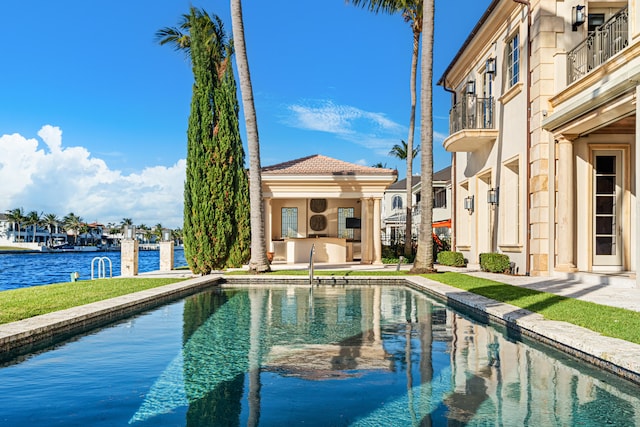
[{"x": 21, "y": 338}]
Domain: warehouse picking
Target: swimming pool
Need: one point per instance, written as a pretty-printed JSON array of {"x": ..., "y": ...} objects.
[{"x": 321, "y": 356}]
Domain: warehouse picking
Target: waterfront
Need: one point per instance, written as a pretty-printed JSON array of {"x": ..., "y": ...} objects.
[{"x": 19, "y": 270}]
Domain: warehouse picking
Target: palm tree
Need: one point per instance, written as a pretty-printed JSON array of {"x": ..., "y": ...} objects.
[
  {"x": 423, "y": 263},
  {"x": 33, "y": 219},
  {"x": 258, "y": 262},
  {"x": 51, "y": 220},
  {"x": 73, "y": 223},
  {"x": 157, "y": 230},
  {"x": 16, "y": 216},
  {"x": 412, "y": 12},
  {"x": 380, "y": 165},
  {"x": 400, "y": 151}
]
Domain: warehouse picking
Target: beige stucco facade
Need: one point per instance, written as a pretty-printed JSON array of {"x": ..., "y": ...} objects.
[
  {"x": 555, "y": 135},
  {"x": 311, "y": 201}
]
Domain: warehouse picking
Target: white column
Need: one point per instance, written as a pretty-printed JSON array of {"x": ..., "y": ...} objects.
[
  {"x": 566, "y": 202},
  {"x": 637, "y": 210},
  {"x": 366, "y": 234},
  {"x": 377, "y": 238}
]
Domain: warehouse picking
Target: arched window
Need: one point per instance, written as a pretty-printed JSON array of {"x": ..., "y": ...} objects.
[{"x": 396, "y": 202}]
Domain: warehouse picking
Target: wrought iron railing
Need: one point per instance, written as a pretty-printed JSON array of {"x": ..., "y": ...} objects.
[
  {"x": 472, "y": 113},
  {"x": 601, "y": 44}
]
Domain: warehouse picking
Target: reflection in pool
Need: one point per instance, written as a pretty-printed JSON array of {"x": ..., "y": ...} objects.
[{"x": 360, "y": 355}]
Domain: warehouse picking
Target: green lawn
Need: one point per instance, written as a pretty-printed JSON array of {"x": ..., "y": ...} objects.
[
  {"x": 609, "y": 321},
  {"x": 18, "y": 304}
]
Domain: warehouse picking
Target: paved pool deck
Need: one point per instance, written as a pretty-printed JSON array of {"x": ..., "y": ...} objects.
[{"x": 615, "y": 355}]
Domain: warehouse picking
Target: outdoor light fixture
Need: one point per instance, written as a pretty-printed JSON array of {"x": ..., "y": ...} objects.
[
  {"x": 129, "y": 232},
  {"x": 471, "y": 87},
  {"x": 166, "y": 235},
  {"x": 577, "y": 17},
  {"x": 492, "y": 196},
  {"x": 490, "y": 66},
  {"x": 468, "y": 204}
]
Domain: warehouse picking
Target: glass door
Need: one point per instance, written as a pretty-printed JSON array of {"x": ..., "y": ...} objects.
[{"x": 607, "y": 187}]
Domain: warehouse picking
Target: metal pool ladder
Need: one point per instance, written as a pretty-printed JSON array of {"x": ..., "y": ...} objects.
[
  {"x": 102, "y": 270},
  {"x": 313, "y": 247}
]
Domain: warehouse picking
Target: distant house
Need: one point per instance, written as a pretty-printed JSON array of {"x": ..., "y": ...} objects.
[
  {"x": 328, "y": 204},
  {"x": 395, "y": 205}
]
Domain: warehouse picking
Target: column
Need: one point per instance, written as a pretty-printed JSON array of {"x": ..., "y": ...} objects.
[
  {"x": 129, "y": 257},
  {"x": 268, "y": 224},
  {"x": 566, "y": 201},
  {"x": 366, "y": 236},
  {"x": 377, "y": 238},
  {"x": 166, "y": 256},
  {"x": 637, "y": 187}
]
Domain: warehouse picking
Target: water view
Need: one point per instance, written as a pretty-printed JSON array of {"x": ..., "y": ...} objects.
[
  {"x": 323, "y": 356},
  {"x": 31, "y": 269}
]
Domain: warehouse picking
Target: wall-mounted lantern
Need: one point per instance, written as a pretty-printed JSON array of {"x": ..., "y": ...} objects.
[
  {"x": 577, "y": 17},
  {"x": 490, "y": 66},
  {"x": 492, "y": 196},
  {"x": 468, "y": 204},
  {"x": 471, "y": 87}
]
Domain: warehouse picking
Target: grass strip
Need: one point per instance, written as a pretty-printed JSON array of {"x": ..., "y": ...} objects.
[
  {"x": 22, "y": 303},
  {"x": 609, "y": 321}
]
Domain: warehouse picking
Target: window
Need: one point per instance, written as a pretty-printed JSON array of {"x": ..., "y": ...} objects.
[
  {"x": 513, "y": 60},
  {"x": 343, "y": 214},
  {"x": 440, "y": 197},
  {"x": 396, "y": 202},
  {"x": 289, "y": 222}
]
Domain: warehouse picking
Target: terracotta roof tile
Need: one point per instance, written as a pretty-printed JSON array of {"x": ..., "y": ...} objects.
[{"x": 318, "y": 164}]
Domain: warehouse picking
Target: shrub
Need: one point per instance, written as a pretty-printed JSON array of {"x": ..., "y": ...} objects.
[
  {"x": 495, "y": 262},
  {"x": 454, "y": 259}
]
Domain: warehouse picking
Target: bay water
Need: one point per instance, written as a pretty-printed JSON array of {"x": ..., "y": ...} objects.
[{"x": 19, "y": 270}]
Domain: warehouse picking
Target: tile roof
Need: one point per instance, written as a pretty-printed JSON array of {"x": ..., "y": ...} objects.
[{"x": 318, "y": 164}]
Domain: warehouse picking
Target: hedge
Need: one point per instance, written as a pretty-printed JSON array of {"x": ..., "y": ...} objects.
[
  {"x": 495, "y": 262},
  {"x": 454, "y": 259}
]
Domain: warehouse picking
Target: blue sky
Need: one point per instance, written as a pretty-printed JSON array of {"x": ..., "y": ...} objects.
[{"x": 93, "y": 112}]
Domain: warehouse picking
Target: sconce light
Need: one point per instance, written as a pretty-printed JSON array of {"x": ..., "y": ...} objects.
[
  {"x": 577, "y": 17},
  {"x": 471, "y": 87},
  {"x": 468, "y": 204},
  {"x": 490, "y": 66},
  {"x": 492, "y": 196}
]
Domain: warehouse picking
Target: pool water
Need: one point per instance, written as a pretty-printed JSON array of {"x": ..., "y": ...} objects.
[{"x": 295, "y": 355}]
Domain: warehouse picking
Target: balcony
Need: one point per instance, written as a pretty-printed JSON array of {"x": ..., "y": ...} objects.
[
  {"x": 601, "y": 44},
  {"x": 471, "y": 124}
]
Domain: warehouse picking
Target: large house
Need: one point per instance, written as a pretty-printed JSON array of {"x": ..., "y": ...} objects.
[
  {"x": 543, "y": 127},
  {"x": 326, "y": 204},
  {"x": 394, "y": 207}
]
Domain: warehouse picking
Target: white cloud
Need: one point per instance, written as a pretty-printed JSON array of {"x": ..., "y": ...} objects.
[
  {"x": 371, "y": 130},
  {"x": 51, "y": 178}
]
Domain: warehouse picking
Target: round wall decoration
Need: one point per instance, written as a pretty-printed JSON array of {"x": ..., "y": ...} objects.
[
  {"x": 318, "y": 222},
  {"x": 318, "y": 205}
]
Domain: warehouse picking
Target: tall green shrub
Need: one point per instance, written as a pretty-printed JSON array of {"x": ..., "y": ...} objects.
[{"x": 215, "y": 206}]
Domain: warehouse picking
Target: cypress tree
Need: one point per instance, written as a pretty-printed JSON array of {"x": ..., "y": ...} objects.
[{"x": 215, "y": 234}]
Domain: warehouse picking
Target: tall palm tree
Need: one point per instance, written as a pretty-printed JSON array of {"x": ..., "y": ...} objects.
[
  {"x": 16, "y": 216},
  {"x": 33, "y": 219},
  {"x": 52, "y": 221},
  {"x": 423, "y": 263},
  {"x": 258, "y": 262},
  {"x": 157, "y": 231},
  {"x": 73, "y": 223},
  {"x": 412, "y": 12}
]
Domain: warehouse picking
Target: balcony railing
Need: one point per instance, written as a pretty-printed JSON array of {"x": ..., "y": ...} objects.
[
  {"x": 601, "y": 44},
  {"x": 471, "y": 113}
]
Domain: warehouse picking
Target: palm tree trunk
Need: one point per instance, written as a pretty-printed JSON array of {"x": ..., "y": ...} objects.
[
  {"x": 408, "y": 247},
  {"x": 258, "y": 262},
  {"x": 423, "y": 262}
]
